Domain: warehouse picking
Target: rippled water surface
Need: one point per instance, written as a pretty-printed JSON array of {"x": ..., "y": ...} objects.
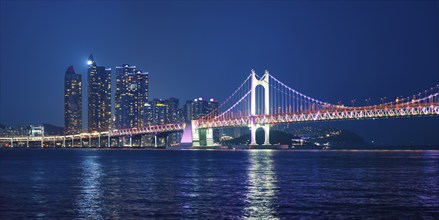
[{"x": 97, "y": 184}]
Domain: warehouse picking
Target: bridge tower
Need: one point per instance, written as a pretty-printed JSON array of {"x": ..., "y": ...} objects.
[{"x": 264, "y": 82}]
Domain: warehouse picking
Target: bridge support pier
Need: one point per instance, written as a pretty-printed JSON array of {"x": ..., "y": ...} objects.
[
  {"x": 202, "y": 137},
  {"x": 122, "y": 141},
  {"x": 209, "y": 137},
  {"x": 109, "y": 140}
]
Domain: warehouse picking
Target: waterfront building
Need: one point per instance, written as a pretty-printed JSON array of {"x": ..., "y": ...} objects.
[
  {"x": 131, "y": 97},
  {"x": 11, "y": 131},
  {"x": 99, "y": 97},
  {"x": 163, "y": 111},
  {"x": 72, "y": 102},
  {"x": 198, "y": 108},
  {"x": 148, "y": 114},
  {"x": 172, "y": 113},
  {"x": 30, "y": 130},
  {"x": 187, "y": 110},
  {"x": 212, "y": 107},
  {"x": 159, "y": 113}
]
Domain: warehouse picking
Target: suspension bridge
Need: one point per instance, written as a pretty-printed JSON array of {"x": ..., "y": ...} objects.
[{"x": 259, "y": 102}]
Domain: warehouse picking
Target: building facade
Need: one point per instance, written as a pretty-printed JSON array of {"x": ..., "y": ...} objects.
[
  {"x": 131, "y": 97},
  {"x": 149, "y": 112},
  {"x": 172, "y": 111},
  {"x": 159, "y": 112},
  {"x": 198, "y": 108},
  {"x": 99, "y": 97},
  {"x": 72, "y": 102}
]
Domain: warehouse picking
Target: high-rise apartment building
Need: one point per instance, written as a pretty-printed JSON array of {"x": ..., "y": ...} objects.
[
  {"x": 148, "y": 114},
  {"x": 99, "y": 97},
  {"x": 160, "y": 112},
  {"x": 172, "y": 113},
  {"x": 200, "y": 107},
  {"x": 131, "y": 98},
  {"x": 72, "y": 102}
]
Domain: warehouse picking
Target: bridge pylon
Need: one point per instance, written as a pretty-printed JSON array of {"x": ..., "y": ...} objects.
[{"x": 264, "y": 81}]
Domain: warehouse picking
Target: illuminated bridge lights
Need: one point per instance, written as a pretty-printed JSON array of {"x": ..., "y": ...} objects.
[
  {"x": 284, "y": 105},
  {"x": 347, "y": 114}
]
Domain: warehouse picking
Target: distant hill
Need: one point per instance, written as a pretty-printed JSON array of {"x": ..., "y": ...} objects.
[
  {"x": 342, "y": 138},
  {"x": 322, "y": 134},
  {"x": 334, "y": 138},
  {"x": 276, "y": 137}
]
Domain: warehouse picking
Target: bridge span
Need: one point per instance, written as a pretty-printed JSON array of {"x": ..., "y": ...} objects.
[{"x": 259, "y": 102}]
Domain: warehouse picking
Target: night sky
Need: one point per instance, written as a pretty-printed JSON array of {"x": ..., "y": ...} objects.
[{"x": 332, "y": 51}]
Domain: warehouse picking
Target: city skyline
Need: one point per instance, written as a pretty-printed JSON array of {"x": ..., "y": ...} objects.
[
  {"x": 123, "y": 102},
  {"x": 361, "y": 62},
  {"x": 272, "y": 109}
]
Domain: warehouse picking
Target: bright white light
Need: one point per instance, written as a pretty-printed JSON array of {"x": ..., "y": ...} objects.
[{"x": 89, "y": 62}]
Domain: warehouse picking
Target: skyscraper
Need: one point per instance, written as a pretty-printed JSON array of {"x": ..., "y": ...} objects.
[
  {"x": 99, "y": 97},
  {"x": 131, "y": 98},
  {"x": 72, "y": 102}
]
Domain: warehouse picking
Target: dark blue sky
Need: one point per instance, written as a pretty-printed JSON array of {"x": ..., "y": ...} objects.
[{"x": 333, "y": 51}]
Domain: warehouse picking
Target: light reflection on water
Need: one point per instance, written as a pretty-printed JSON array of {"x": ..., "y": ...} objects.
[
  {"x": 261, "y": 187},
  {"x": 430, "y": 170},
  {"x": 39, "y": 186},
  {"x": 190, "y": 188},
  {"x": 132, "y": 184},
  {"x": 89, "y": 202}
]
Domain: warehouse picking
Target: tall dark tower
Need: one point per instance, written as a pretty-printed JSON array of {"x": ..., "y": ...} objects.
[
  {"x": 131, "y": 98},
  {"x": 99, "y": 97},
  {"x": 72, "y": 102}
]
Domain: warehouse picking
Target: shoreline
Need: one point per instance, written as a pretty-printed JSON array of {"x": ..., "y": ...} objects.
[{"x": 224, "y": 149}]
